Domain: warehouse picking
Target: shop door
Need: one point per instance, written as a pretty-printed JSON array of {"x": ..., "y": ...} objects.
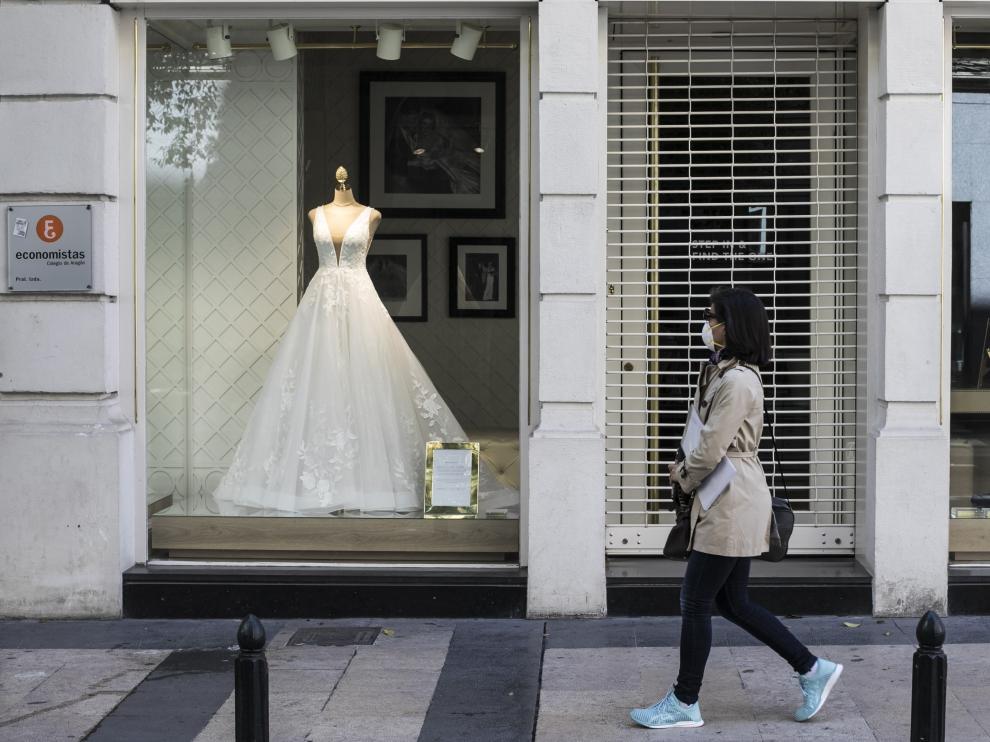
[{"x": 732, "y": 159}]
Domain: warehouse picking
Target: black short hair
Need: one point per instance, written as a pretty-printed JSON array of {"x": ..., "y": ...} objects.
[{"x": 747, "y": 329}]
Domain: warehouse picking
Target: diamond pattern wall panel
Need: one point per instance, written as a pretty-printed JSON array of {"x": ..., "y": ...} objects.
[{"x": 221, "y": 277}]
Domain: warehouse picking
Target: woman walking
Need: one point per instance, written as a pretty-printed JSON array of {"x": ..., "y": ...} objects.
[{"x": 736, "y": 527}]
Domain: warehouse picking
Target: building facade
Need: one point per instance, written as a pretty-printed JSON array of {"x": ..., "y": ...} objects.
[{"x": 557, "y": 205}]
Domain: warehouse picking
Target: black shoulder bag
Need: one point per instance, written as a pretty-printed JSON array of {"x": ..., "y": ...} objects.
[
  {"x": 676, "y": 546},
  {"x": 782, "y": 517}
]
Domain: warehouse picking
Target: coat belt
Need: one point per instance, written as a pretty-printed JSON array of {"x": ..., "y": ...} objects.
[{"x": 742, "y": 454}]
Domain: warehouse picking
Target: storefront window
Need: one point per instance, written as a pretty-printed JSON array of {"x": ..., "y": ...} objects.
[
  {"x": 331, "y": 282},
  {"x": 969, "y": 533}
]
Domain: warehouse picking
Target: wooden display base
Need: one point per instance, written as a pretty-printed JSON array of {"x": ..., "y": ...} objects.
[
  {"x": 385, "y": 539},
  {"x": 969, "y": 538}
]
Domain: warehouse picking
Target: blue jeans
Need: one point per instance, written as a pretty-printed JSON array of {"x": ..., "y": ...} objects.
[{"x": 724, "y": 581}]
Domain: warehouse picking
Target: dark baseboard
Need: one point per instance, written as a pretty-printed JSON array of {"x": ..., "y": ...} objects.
[
  {"x": 783, "y": 598},
  {"x": 232, "y": 592},
  {"x": 207, "y": 592},
  {"x": 969, "y": 595}
]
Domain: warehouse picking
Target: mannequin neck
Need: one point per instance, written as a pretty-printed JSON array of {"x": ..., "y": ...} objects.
[{"x": 344, "y": 198}]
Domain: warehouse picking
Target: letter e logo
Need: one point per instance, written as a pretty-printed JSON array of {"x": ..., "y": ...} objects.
[{"x": 49, "y": 228}]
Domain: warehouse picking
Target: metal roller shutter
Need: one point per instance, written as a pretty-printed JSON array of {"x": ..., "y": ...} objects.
[{"x": 732, "y": 159}]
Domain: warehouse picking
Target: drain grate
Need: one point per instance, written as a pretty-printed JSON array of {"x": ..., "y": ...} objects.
[{"x": 337, "y": 636}]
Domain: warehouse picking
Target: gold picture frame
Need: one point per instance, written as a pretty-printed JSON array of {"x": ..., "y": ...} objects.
[{"x": 441, "y": 499}]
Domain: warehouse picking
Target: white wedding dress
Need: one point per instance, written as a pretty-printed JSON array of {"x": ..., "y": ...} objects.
[{"x": 342, "y": 422}]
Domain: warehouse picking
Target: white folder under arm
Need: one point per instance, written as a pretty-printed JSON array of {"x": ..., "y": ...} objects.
[{"x": 714, "y": 484}]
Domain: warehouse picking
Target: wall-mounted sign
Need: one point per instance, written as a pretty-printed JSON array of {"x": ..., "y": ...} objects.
[{"x": 50, "y": 248}]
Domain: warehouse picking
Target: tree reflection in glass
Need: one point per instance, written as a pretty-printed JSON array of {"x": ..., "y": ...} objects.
[{"x": 184, "y": 100}]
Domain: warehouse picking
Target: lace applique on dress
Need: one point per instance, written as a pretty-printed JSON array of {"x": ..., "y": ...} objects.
[
  {"x": 287, "y": 391},
  {"x": 432, "y": 409},
  {"x": 329, "y": 452}
]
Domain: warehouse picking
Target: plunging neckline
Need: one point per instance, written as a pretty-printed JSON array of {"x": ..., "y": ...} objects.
[{"x": 343, "y": 239}]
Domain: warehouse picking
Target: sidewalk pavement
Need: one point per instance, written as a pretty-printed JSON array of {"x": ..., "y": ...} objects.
[{"x": 481, "y": 680}]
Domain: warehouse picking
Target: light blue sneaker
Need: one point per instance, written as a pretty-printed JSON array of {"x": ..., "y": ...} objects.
[
  {"x": 668, "y": 712},
  {"x": 816, "y": 686}
]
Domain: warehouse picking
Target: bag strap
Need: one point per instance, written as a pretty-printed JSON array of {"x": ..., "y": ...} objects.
[{"x": 773, "y": 438}]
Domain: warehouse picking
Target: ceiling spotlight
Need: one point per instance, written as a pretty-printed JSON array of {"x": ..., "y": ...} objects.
[
  {"x": 218, "y": 42},
  {"x": 466, "y": 42},
  {"x": 419, "y": 151},
  {"x": 390, "y": 38},
  {"x": 480, "y": 150},
  {"x": 282, "y": 39}
]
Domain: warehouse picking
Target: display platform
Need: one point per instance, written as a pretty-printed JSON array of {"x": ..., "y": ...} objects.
[{"x": 333, "y": 539}]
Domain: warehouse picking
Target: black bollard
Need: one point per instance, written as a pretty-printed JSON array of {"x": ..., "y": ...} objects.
[
  {"x": 930, "y": 671},
  {"x": 251, "y": 683}
]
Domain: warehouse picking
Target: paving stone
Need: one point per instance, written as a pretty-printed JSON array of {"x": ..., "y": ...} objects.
[
  {"x": 310, "y": 658},
  {"x": 291, "y": 719},
  {"x": 490, "y": 683},
  {"x": 49, "y": 694},
  {"x": 73, "y": 719},
  {"x": 368, "y": 729},
  {"x": 591, "y": 633},
  {"x": 390, "y": 658},
  {"x": 974, "y": 701},
  {"x": 590, "y": 669},
  {"x": 303, "y": 682}
]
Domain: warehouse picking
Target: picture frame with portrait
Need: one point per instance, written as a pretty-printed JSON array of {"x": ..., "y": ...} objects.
[
  {"x": 433, "y": 144},
  {"x": 398, "y": 269},
  {"x": 483, "y": 277}
]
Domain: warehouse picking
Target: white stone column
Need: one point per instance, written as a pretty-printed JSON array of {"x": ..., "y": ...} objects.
[
  {"x": 904, "y": 538},
  {"x": 65, "y": 445},
  {"x": 567, "y": 451}
]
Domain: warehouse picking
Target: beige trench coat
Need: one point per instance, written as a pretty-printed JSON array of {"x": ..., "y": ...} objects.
[{"x": 729, "y": 401}]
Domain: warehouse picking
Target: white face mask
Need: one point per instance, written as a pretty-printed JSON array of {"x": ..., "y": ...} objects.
[{"x": 707, "y": 337}]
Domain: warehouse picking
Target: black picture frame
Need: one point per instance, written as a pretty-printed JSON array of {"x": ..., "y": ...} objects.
[
  {"x": 462, "y": 114},
  {"x": 480, "y": 266},
  {"x": 397, "y": 264}
]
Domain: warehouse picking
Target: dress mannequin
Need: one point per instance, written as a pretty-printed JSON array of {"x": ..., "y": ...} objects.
[
  {"x": 341, "y": 424},
  {"x": 343, "y": 210}
]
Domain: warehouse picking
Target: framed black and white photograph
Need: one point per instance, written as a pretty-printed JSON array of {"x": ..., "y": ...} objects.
[
  {"x": 482, "y": 277},
  {"x": 397, "y": 266},
  {"x": 433, "y": 144}
]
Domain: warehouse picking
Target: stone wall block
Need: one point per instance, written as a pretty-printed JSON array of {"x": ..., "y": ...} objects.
[
  {"x": 570, "y": 145},
  {"x": 58, "y": 49},
  {"x": 58, "y": 346},
  {"x": 569, "y": 246},
  {"x": 61, "y": 532},
  {"x": 911, "y": 44},
  {"x": 912, "y": 245},
  {"x": 567, "y": 558},
  {"x": 59, "y": 146},
  {"x": 568, "y": 46},
  {"x": 912, "y": 159},
  {"x": 911, "y": 370},
  {"x": 568, "y": 351},
  {"x": 910, "y": 581}
]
